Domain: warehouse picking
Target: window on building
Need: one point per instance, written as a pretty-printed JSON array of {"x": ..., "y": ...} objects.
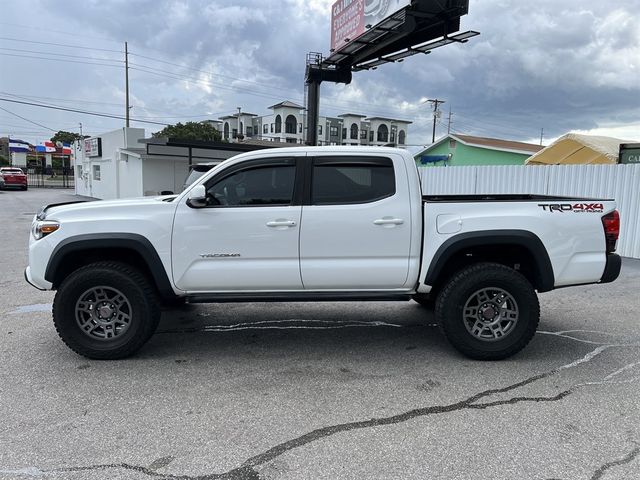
[
  {"x": 354, "y": 131},
  {"x": 234, "y": 133},
  {"x": 291, "y": 140},
  {"x": 254, "y": 186},
  {"x": 371, "y": 135},
  {"x": 336, "y": 182},
  {"x": 383, "y": 133},
  {"x": 319, "y": 129},
  {"x": 278, "y": 124},
  {"x": 402, "y": 137},
  {"x": 344, "y": 132},
  {"x": 96, "y": 172},
  {"x": 226, "y": 130},
  {"x": 300, "y": 128},
  {"x": 363, "y": 134},
  {"x": 272, "y": 127},
  {"x": 290, "y": 124},
  {"x": 249, "y": 131},
  {"x": 393, "y": 136},
  {"x": 334, "y": 131},
  {"x": 265, "y": 128}
]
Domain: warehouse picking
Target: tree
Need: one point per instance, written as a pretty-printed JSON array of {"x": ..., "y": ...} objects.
[
  {"x": 190, "y": 131},
  {"x": 66, "y": 137}
]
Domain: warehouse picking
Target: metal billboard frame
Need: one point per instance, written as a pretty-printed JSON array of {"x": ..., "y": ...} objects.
[{"x": 419, "y": 28}]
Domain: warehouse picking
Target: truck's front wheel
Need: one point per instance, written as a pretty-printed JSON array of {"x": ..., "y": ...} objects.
[
  {"x": 106, "y": 310},
  {"x": 488, "y": 311}
]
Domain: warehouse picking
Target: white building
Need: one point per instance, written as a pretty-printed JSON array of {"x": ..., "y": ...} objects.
[
  {"x": 286, "y": 124},
  {"x": 123, "y": 164}
]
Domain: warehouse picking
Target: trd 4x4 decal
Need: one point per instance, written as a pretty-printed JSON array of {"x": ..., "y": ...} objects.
[{"x": 575, "y": 207}]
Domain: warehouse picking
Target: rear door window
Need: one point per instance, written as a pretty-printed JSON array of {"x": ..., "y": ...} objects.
[{"x": 351, "y": 180}]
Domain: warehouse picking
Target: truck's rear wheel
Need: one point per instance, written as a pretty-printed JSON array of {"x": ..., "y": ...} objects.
[
  {"x": 488, "y": 311},
  {"x": 106, "y": 310}
]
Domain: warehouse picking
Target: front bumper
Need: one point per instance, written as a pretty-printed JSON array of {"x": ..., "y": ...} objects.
[
  {"x": 27, "y": 277},
  {"x": 612, "y": 268}
]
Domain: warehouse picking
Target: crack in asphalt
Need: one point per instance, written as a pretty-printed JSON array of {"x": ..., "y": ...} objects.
[
  {"x": 616, "y": 463},
  {"x": 247, "y": 471}
]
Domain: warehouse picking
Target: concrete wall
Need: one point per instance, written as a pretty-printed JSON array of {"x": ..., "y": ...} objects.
[
  {"x": 163, "y": 175},
  {"x": 106, "y": 187},
  {"x": 130, "y": 174}
]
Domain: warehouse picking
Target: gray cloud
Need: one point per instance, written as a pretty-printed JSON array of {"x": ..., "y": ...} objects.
[{"x": 561, "y": 66}]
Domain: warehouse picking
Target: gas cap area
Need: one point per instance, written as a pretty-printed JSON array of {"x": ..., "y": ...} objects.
[{"x": 449, "y": 223}]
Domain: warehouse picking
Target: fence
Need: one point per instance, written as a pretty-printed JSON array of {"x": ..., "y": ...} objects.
[
  {"x": 48, "y": 177},
  {"x": 621, "y": 182}
]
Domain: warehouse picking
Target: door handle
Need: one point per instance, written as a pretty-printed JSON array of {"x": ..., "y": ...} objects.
[
  {"x": 281, "y": 223},
  {"x": 388, "y": 221}
]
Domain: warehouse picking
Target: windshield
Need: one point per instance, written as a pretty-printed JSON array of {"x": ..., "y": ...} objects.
[{"x": 11, "y": 171}]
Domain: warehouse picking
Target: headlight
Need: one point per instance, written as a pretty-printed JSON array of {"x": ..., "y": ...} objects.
[{"x": 43, "y": 228}]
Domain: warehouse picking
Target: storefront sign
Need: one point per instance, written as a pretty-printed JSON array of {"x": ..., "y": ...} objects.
[
  {"x": 630, "y": 154},
  {"x": 93, "y": 147}
]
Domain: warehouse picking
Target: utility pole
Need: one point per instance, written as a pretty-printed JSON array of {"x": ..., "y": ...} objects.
[
  {"x": 81, "y": 143},
  {"x": 449, "y": 121},
  {"x": 541, "y": 135},
  {"x": 435, "y": 102},
  {"x": 126, "y": 81}
]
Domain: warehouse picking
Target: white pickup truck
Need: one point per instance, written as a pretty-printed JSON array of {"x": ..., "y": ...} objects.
[{"x": 317, "y": 224}]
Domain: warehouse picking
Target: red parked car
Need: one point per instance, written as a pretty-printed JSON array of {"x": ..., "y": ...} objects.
[{"x": 14, "y": 177}]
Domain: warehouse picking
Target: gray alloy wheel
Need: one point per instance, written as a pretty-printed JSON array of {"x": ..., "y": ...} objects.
[
  {"x": 103, "y": 313},
  {"x": 490, "y": 314}
]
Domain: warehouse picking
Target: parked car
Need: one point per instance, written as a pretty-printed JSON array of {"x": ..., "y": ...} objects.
[
  {"x": 318, "y": 224},
  {"x": 197, "y": 170},
  {"x": 1, "y": 182},
  {"x": 14, "y": 177}
]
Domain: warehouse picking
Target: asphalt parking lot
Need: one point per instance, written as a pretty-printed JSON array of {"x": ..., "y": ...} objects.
[{"x": 317, "y": 391}]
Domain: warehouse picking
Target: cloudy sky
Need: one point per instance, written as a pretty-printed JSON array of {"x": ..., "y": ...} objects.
[{"x": 571, "y": 65}]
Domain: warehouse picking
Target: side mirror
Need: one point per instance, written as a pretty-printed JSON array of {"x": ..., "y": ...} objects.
[{"x": 197, "y": 197}]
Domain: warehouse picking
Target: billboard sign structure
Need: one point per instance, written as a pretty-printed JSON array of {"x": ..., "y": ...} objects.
[{"x": 350, "y": 18}]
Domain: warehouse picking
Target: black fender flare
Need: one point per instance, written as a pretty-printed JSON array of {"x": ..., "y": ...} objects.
[
  {"x": 130, "y": 241},
  {"x": 545, "y": 279}
]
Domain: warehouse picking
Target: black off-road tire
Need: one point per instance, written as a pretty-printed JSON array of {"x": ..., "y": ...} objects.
[
  {"x": 141, "y": 296},
  {"x": 462, "y": 286}
]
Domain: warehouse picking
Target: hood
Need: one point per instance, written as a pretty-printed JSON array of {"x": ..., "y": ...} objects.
[{"x": 55, "y": 208}]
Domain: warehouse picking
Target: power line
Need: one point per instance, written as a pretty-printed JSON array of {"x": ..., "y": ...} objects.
[
  {"x": 97, "y": 114},
  {"x": 61, "y": 45},
  {"x": 39, "y": 52},
  {"x": 60, "y": 60},
  {"x": 83, "y": 101},
  {"x": 26, "y": 119}
]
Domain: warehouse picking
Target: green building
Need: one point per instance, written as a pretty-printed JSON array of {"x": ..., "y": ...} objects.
[{"x": 464, "y": 150}]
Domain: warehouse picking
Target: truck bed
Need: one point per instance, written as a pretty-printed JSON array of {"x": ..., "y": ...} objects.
[{"x": 504, "y": 198}]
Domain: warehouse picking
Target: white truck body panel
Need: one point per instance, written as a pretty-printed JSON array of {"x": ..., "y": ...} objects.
[
  {"x": 363, "y": 246},
  {"x": 327, "y": 247}
]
